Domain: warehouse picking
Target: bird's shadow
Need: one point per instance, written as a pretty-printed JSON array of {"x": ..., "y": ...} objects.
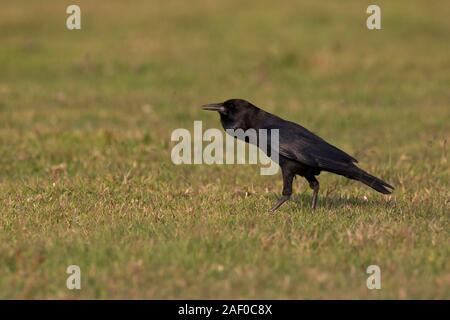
[{"x": 304, "y": 199}]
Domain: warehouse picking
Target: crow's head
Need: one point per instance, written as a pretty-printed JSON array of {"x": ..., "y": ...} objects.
[{"x": 234, "y": 113}]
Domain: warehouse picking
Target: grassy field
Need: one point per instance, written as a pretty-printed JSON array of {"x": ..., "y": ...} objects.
[{"x": 85, "y": 170}]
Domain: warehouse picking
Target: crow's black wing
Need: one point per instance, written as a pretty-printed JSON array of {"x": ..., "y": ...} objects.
[{"x": 300, "y": 144}]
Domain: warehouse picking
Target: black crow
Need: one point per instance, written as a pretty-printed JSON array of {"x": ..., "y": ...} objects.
[{"x": 301, "y": 152}]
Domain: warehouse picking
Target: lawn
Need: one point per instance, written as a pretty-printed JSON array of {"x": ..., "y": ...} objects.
[{"x": 86, "y": 176}]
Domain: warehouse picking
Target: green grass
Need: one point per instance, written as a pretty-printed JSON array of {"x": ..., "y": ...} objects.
[{"x": 85, "y": 170}]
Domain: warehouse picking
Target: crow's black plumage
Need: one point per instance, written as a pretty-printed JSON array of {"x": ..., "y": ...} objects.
[{"x": 301, "y": 152}]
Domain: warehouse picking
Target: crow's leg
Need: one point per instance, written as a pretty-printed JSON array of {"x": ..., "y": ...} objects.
[
  {"x": 279, "y": 202},
  {"x": 314, "y": 185},
  {"x": 288, "y": 176}
]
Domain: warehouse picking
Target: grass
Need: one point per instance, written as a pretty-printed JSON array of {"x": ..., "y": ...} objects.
[{"x": 85, "y": 170}]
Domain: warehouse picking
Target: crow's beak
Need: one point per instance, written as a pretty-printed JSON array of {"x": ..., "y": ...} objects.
[{"x": 219, "y": 107}]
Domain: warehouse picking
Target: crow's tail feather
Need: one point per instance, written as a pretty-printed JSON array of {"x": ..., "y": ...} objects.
[
  {"x": 351, "y": 171},
  {"x": 370, "y": 180}
]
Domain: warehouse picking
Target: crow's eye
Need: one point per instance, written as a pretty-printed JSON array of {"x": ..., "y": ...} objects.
[{"x": 230, "y": 106}]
